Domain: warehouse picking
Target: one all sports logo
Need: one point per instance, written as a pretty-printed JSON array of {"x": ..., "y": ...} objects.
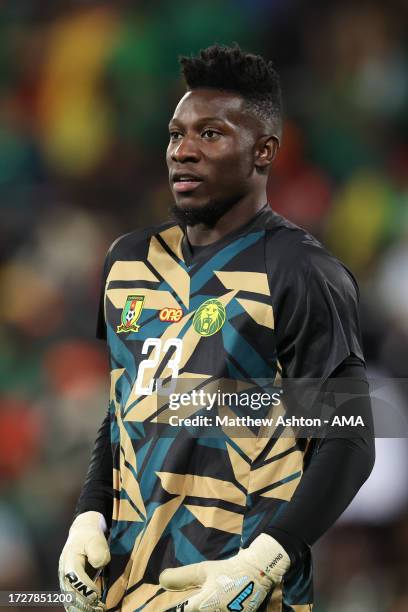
[
  {"x": 236, "y": 604},
  {"x": 170, "y": 314}
]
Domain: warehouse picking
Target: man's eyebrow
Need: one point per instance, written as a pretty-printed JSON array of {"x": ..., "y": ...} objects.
[{"x": 199, "y": 121}]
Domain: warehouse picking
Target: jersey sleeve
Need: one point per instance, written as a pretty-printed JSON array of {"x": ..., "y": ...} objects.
[
  {"x": 316, "y": 316},
  {"x": 101, "y": 320},
  {"x": 97, "y": 490},
  {"x": 337, "y": 468}
]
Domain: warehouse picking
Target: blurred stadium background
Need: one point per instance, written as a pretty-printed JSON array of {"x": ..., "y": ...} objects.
[{"x": 86, "y": 91}]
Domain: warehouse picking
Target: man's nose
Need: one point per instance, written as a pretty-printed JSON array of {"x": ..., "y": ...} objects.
[{"x": 185, "y": 150}]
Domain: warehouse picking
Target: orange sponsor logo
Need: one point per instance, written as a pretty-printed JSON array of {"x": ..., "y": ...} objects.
[{"x": 170, "y": 314}]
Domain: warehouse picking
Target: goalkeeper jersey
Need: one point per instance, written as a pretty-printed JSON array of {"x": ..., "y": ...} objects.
[{"x": 265, "y": 302}]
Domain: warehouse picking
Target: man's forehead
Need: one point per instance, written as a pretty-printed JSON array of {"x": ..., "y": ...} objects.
[{"x": 215, "y": 103}]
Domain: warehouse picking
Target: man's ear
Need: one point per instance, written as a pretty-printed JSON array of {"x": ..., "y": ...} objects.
[{"x": 266, "y": 150}]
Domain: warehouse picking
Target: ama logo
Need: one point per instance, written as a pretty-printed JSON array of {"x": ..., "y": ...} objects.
[{"x": 236, "y": 604}]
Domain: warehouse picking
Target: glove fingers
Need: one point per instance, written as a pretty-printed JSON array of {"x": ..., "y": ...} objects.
[
  {"x": 74, "y": 576},
  {"x": 193, "y": 604},
  {"x": 220, "y": 596},
  {"x": 84, "y": 599},
  {"x": 97, "y": 552},
  {"x": 181, "y": 578},
  {"x": 86, "y": 541}
]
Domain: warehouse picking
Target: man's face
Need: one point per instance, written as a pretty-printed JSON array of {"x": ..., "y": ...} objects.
[{"x": 211, "y": 152}]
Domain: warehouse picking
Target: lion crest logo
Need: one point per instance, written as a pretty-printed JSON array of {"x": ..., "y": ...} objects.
[{"x": 209, "y": 317}]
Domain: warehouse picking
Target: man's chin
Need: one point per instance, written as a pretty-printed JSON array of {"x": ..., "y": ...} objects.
[
  {"x": 190, "y": 214},
  {"x": 190, "y": 202},
  {"x": 207, "y": 213}
]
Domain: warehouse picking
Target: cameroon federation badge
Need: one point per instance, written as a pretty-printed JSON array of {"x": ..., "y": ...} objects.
[
  {"x": 131, "y": 313},
  {"x": 209, "y": 317}
]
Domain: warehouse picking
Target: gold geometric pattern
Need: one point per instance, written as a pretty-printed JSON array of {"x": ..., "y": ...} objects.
[
  {"x": 281, "y": 445},
  {"x": 285, "y": 491},
  {"x": 139, "y": 596},
  {"x": 217, "y": 518},
  {"x": 270, "y": 473},
  {"x": 175, "y": 275},
  {"x": 153, "y": 299},
  {"x": 239, "y": 465},
  {"x": 173, "y": 238},
  {"x": 132, "y": 485},
  {"x": 116, "y": 480},
  {"x": 261, "y": 313},
  {"x": 130, "y": 271},
  {"x": 166, "y": 600},
  {"x": 114, "y": 377},
  {"x": 219, "y": 490},
  {"x": 152, "y": 534},
  {"x": 124, "y": 511},
  {"x": 201, "y": 486},
  {"x": 254, "y": 282}
]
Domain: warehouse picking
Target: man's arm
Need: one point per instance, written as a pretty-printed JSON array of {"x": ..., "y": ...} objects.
[
  {"x": 86, "y": 540},
  {"x": 97, "y": 491},
  {"x": 93, "y": 514},
  {"x": 337, "y": 470},
  {"x": 318, "y": 339}
]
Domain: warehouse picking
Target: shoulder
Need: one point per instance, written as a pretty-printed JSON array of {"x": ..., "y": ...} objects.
[
  {"x": 297, "y": 257},
  {"x": 130, "y": 245}
]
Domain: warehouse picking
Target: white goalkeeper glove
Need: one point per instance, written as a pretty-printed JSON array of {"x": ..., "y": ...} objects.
[
  {"x": 240, "y": 583},
  {"x": 86, "y": 541}
]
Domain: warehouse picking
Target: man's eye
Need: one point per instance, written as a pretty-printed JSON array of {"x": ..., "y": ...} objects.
[
  {"x": 210, "y": 134},
  {"x": 175, "y": 135}
]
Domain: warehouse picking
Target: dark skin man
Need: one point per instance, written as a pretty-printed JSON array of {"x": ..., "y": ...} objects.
[
  {"x": 223, "y": 524},
  {"x": 225, "y": 152}
]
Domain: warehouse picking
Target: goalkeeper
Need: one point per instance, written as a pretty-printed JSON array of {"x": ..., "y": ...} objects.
[{"x": 225, "y": 291}]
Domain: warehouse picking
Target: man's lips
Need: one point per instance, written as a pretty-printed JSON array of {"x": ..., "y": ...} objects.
[
  {"x": 184, "y": 181},
  {"x": 182, "y": 186}
]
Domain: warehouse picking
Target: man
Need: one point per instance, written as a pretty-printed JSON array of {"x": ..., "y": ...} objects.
[{"x": 229, "y": 291}]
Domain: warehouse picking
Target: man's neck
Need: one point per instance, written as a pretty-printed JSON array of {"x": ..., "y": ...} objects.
[{"x": 240, "y": 214}]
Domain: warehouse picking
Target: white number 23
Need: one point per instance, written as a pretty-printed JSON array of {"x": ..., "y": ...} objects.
[{"x": 173, "y": 364}]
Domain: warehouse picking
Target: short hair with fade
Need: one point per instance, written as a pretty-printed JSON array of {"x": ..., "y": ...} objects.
[{"x": 233, "y": 70}]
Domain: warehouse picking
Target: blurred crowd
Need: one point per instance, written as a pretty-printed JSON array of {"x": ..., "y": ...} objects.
[{"x": 86, "y": 91}]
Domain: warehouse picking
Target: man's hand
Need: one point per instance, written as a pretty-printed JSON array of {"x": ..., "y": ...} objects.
[
  {"x": 86, "y": 541},
  {"x": 240, "y": 583}
]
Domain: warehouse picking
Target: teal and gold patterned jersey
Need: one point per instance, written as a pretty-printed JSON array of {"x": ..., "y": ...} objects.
[{"x": 265, "y": 302}]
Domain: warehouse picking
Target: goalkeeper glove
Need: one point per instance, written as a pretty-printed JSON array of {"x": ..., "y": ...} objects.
[
  {"x": 86, "y": 541},
  {"x": 239, "y": 583}
]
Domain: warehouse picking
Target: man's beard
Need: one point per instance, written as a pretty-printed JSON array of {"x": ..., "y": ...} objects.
[{"x": 208, "y": 214}]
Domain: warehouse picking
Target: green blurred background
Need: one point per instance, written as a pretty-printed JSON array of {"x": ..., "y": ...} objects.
[{"x": 86, "y": 91}]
